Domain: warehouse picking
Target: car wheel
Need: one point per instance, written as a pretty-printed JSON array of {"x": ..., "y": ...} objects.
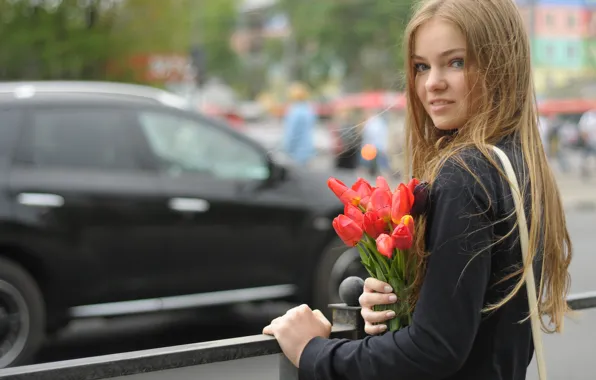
[
  {"x": 22, "y": 315},
  {"x": 337, "y": 263}
]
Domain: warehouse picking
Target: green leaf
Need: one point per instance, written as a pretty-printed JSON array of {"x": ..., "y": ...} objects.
[
  {"x": 380, "y": 275},
  {"x": 363, "y": 255},
  {"x": 382, "y": 260}
]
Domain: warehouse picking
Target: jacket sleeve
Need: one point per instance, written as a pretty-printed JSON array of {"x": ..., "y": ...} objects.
[{"x": 448, "y": 312}]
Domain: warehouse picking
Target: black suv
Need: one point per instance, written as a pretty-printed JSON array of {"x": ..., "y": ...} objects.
[{"x": 116, "y": 199}]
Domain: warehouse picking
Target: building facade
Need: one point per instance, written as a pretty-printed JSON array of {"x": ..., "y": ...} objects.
[{"x": 563, "y": 41}]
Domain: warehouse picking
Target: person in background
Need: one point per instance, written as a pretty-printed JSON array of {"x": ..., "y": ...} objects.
[
  {"x": 376, "y": 133},
  {"x": 587, "y": 129},
  {"x": 299, "y": 125},
  {"x": 551, "y": 127},
  {"x": 544, "y": 128},
  {"x": 348, "y": 139}
]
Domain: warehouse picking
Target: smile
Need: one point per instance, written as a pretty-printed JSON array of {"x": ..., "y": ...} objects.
[{"x": 438, "y": 106}]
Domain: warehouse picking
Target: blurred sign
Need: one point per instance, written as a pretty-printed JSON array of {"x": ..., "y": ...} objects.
[
  {"x": 168, "y": 68},
  {"x": 161, "y": 68}
]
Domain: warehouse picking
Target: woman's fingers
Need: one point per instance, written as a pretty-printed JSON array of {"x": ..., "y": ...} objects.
[
  {"x": 376, "y": 292},
  {"x": 373, "y": 285},
  {"x": 372, "y": 316},
  {"x": 374, "y": 329},
  {"x": 369, "y": 300}
]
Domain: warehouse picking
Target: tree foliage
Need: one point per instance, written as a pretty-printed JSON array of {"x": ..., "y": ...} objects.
[
  {"x": 54, "y": 39},
  {"x": 79, "y": 39},
  {"x": 366, "y": 35},
  {"x": 216, "y": 23}
]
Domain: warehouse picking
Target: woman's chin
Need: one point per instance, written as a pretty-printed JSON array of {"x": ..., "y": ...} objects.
[{"x": 446, "y": 125}]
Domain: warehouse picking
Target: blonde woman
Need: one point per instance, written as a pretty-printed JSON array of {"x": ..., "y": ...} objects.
[{"x": 470, "y": 86}]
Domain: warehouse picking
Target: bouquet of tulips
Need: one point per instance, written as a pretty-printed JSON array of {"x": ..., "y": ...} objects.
[{"x": 379, "y": 222}]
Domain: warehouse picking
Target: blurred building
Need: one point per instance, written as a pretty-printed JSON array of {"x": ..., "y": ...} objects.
[
  {"x": 563, "y": 41},
  {"x": 258, "y": 20}
]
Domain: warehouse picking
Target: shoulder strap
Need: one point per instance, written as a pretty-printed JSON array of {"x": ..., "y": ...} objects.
[{"x": 530, "y": 280}]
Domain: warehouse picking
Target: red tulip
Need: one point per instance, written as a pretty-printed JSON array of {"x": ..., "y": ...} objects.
[
  {"x": 402, "y": 202},
  {"x": 363, "y": 189},
  {"x": 382, "y": 184},
  {"x": 354, "y": 213},
  {"x": 385, "y": 245},
  {"x": 347, "y": 230},
  {"x": 345, "y": 194},
  {"x": 380, "y": 201},
  {"x": 412, "y": 184},
  {"x": 402, "y": 237},
  {"x": 408, "y": 221},
  {"x": 373, "y": 225}
]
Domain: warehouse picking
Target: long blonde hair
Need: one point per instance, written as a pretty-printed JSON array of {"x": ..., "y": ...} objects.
[{"x": 499, "y": 47}]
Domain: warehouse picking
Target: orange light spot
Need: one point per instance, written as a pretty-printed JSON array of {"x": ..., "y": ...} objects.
[{"x": 369, "y": 152}]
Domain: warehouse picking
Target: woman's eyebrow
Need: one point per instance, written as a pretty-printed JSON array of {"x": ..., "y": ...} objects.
[{"x": 443, "y": 54}]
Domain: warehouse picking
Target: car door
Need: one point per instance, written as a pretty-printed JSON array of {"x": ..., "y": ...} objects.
[
  {"x": 229, "y": 227},
  {"x": 82, "y": 200}
]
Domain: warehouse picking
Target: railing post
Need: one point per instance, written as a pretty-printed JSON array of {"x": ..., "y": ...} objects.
[
  {"x": 344, "y": 315},
  {"x": 348, "y": 312}
]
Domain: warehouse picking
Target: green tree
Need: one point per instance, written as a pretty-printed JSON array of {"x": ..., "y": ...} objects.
[
  {"x": 366, "y": 35},
  {"x": 102, "y": 39},
  {"x": 54, "y": 39},
  {"x": 215, "y": 25}
]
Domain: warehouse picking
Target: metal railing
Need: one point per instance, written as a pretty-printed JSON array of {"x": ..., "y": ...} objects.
[{"x": 347, "y": 323}]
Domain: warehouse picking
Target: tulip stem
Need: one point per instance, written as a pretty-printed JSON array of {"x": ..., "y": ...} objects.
[{"x": 372, "y": 246}]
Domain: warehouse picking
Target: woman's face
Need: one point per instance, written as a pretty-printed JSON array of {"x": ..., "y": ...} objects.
[{"x": 441, "y": 85}]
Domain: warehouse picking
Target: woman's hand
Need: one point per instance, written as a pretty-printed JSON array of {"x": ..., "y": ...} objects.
[
  {"x": 376, "y": 293},
  {"x": 296, "y": 328}
]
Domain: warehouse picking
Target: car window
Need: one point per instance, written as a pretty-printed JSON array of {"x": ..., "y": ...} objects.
[
  {"x": 77, "y": 138},
  {"x": 185, "y": 145}
]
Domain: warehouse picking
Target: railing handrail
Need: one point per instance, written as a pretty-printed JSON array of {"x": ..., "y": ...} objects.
[
  {"x": 581, "y": 301},
  {"x": 135, "y": 362},
  {"x": 130, "y": 363}
]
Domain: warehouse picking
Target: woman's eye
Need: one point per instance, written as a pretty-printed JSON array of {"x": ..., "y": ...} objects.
[
  {"x": 458, "y": 63},
  {"x": 420, "y": 67}
]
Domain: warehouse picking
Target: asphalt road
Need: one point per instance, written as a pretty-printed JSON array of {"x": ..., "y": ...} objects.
[{"x": 569, "y": 356}]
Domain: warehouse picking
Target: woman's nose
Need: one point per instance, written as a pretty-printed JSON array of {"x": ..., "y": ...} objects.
[{"x": 435, "y": 81}]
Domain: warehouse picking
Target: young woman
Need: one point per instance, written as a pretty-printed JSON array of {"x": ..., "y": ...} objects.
[{"x": 469, "y": 87}]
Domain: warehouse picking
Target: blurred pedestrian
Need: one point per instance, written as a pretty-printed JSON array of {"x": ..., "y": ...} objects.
[
  {"x": 348, "y": 138},
  {"x": 376, "y": 134},
  {"x": 587, "y": 128},
  {"x": 299, "y": 125},
  {"x": 552, "y": 131},
  {"x": 544, "y": 128}
]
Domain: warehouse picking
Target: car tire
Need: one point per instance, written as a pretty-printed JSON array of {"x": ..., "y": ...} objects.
[
  {"x": 22, "y": 315},
  {"x": 337, "y": 263}
]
